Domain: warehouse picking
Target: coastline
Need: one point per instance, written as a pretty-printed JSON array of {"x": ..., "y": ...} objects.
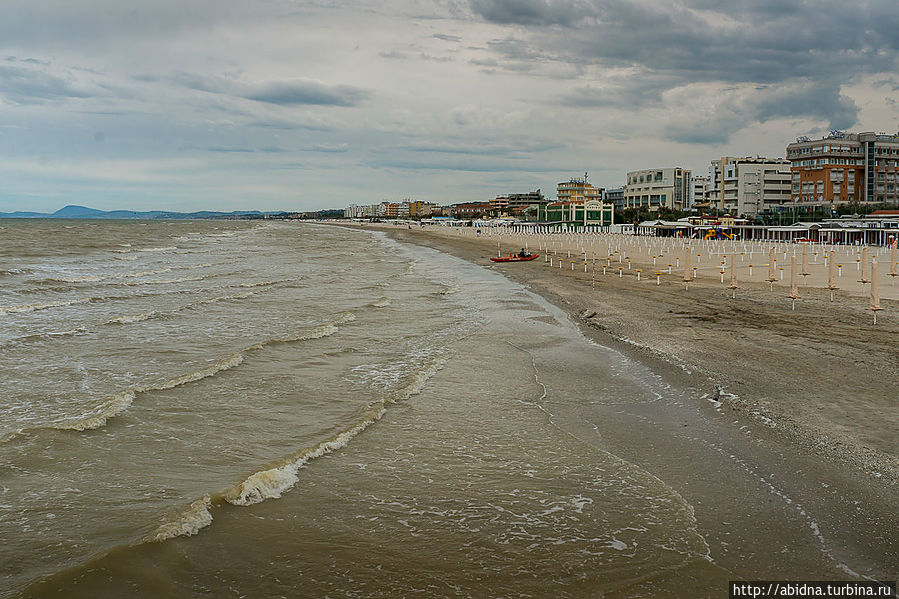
[{"x": 804, "y": 429}]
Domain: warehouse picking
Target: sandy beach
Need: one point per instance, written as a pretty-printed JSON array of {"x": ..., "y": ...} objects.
[{"x": 794, "y": 412}]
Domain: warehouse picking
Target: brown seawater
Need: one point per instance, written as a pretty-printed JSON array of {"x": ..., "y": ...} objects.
[{"x": 229, "y": 408}]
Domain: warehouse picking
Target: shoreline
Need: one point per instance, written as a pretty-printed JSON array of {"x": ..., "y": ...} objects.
[
  {"x": 626, "y": 321},
  {"x": 826, "y": 457}
]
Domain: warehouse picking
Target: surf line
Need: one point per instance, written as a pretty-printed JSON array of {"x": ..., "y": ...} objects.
[
  {"x": 271, "y": 482},
  {"x": 119, "y": 402},
  {"x": 540, "y": 405}
]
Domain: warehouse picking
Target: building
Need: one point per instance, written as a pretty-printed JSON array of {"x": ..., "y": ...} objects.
[
  {"x": 517, "y": 203},
  {"x": 471, "y": 209},
  {"x": 591, "y": 212},
  {"x": 699, "y": 191},
  {"x": 749, "y": 185},
  {"x": 844, "y": 167},
  {"x": 577, "y": 190},
  {"x": 614, "y": 196},
  {"x": 354, "y": 211},
  {"x": 420, "y": 209},
  {"x": 658, "y": 188}
]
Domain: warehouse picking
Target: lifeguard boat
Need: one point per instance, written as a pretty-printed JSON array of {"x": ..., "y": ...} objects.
[{"x": 516, "y": 258}]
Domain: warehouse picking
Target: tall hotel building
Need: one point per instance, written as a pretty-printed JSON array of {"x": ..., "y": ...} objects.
[
  {"x": 577, "y": 190},
  {"x": 655, "y": 188},
  {"x": 844, "y": 167},
  {"x": 749, "y": 185}
]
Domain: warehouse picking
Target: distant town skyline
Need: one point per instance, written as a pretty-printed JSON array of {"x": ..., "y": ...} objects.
[{"x": 299, "y": 106}]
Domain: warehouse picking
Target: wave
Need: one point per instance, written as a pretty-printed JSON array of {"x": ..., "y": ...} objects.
[
  {"x": 145, "y": 273},
  {"x": 167, "y": 248},
  {"x": 82, "y": 279},
  {"x": 126, "y": 275},
  {"x": 118, "y": 403},
  {"x": 43, "y": 306},
  {"x": 48, "y": 335},
  {"x": 113, "y": 406},
  {"x": 167, "y": 281},
  {"x": 186, "y": 523},
  {"x": 267, "y": 283},
  {"x": 132, "y": 319},
  {"x": 381, "y": 303},
  {"x": 16, "y": 271},
  {"x": 272, "y": 482}
]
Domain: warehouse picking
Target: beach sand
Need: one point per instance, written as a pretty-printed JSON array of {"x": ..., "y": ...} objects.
[{"x": 788, "y": 451}]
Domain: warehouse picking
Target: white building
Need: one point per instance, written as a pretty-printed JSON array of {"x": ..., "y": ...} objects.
[
  {"x": 658, "y": 188},
  {"x": 699, "y": 191},
  {"x": 747, "y": 186}
]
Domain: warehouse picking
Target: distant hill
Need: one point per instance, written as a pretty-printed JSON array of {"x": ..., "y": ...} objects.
[
  {"x": 85, "y": 212},
  {"x": 77, "y": 212}
]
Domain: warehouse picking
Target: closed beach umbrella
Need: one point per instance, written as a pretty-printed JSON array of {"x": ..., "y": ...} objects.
[
  {"x": 864, "y": 278},
  {"x": 831, "y": 274},
  {"x": 794, "y": 288},
  {"x": 875, "y": 296},
  {"x": 893, "y": 252},
  {"x": 733, "y": 271},
  {"x": 687, "y": 265},
  {"x": 805, "y": 259},
  {"x": 771, "y": 278}
]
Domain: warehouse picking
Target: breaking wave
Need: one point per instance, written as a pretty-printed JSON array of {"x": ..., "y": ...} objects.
[
  {"x": 167, "y": 248},
  {"x": 118, "y": 403},
  {"x": 186, "y": 523},
  {"x": 272, "y": 482},
  {"x": 131, "y": 319},
  {"x": 44, "y": 305},
  {"x": 49, "y": 335}
]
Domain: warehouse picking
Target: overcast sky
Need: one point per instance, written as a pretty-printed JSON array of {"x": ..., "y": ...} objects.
[{"x": 281, "y": 104}]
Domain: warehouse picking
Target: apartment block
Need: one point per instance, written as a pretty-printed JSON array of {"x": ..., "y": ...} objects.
[
  {"x": 699, "y": 191},
  {"x": 577, "y": 190},
  {"x": 749, "y": 185},
  {"x": 614, "y": 196},
  {"x": 658, "y": 188},
  {"x": 845, "y": 167},
  {"x": 513, "y": 202}
]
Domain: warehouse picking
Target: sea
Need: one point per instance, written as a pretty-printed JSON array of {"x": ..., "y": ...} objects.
[{"x": 249, "y": 408}]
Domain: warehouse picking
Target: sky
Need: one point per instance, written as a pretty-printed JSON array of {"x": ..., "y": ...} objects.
[{"x": 288, "y": 105}]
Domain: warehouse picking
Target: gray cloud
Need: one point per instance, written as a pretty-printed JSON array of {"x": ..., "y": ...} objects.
[
  {"x": 30, "y": 83},
  {"x": 306, "y": 92},
  {"x": 725, "y": 114},
  {"x": 672, "y": 45},
  {"x": 329, "y": 148},
  {"x": 275, "y": 92},
  {"x": 534, "y": 12},
  {"x": 447, "y": 38},
  {"x": 226, "y": 149}
]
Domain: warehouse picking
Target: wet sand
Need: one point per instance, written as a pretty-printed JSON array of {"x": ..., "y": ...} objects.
[{"x": 793, "y": 471}]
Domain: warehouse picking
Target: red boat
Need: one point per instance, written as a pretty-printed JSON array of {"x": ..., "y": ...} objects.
[{"x": 516, "y": 258}]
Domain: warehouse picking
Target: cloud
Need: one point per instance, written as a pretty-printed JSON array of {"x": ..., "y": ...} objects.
[
  {"x": 447, "y": 38},
  {"x": 283, "y": 93},
  {"x": 712, "y": 114},
  {"x": 30, "y": 81},
  {"x": 329, "y": 148},
  {"x": 306, "y": 92},
  {"x": 662, "y": 47},
  {"x": 227, "y": 149},
  {"x": 533, "y": 12}
]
